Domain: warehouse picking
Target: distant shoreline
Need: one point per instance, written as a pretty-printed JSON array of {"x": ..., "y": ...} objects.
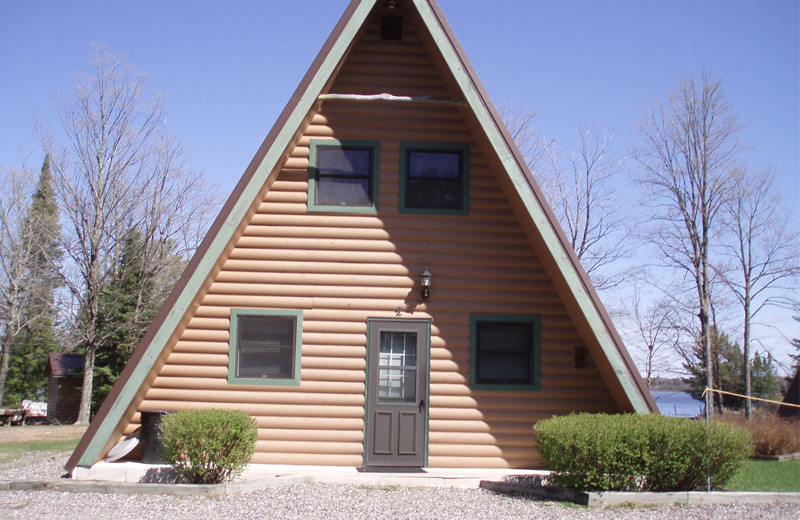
[{"x": 669, "y": 384}]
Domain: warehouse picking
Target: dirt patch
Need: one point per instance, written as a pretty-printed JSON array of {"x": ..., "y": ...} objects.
[{"x": 40, "y": 433}]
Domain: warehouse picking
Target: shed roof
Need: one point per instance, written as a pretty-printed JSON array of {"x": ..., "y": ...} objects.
[
  {"x": 65, "y": 365},
  {"x": 557, "y": 250}
]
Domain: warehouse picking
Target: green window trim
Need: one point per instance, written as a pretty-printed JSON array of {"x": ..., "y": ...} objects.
[
  {"x": 294, "y": 380},
  {"x": 462, "y": 149},
  {"x": 534, "y": 321},
  {"x": 313, "y": 176}
]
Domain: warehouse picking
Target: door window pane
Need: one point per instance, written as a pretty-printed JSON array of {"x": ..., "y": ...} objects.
[
  {"x": 397, "y": 362},
  {"x": 397, "y": 385}
]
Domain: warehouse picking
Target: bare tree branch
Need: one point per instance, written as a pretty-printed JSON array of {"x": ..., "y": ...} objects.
[
  {"x": 585, "y": 202},
  {"x": 521, "y": 125}
]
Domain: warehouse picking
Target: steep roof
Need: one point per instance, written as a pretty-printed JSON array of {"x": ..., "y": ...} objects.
[{"x": 256, "y": 179}]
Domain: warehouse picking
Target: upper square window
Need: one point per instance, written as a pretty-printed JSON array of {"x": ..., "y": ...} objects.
[
  {"x": 391, "y": 28},
  {"x": 265, "y": 347},
  {"x": 434, "y": 179},
  {"x": 505, "y": 352},
  {"x": 343, "y": 176}
]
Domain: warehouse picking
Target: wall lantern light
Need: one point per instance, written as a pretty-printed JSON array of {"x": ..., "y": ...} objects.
[{"x": 425, "y": 281}]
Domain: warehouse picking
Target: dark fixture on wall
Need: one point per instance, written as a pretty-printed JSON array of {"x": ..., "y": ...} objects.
[{"x": 425, "y": 281}]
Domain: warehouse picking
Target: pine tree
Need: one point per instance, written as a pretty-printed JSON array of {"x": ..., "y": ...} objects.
[
  {"x": 728, "y": 359},
  {"x": 128, "y": 304},
  {"x": 40, "y": 236},
  {"x": 766, "y": 383},
  {"x": 728, "y": 365}
]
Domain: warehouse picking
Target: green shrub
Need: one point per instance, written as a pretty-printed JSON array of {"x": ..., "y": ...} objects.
[
  {"x": 208, "y": 446},
  {"x": 640, "y": 452}
]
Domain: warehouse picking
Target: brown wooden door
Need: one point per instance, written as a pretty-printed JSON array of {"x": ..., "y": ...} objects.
[{"x": 397, "y": 392}]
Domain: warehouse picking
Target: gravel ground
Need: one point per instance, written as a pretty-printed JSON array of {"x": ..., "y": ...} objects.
[{"x": 312, "y": 501}]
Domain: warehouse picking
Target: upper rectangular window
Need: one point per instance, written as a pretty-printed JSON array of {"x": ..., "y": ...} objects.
[
  {"x": 265, "y": 346},
  {"x": 343, "y": 176},
  {"x": 434, "y": 178},
  {"x": 505, "y": 353}
]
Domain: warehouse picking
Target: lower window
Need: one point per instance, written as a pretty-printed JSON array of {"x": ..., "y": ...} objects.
[
  {"x": 265, "y": 346},
  {"x": 505, "y": 353}
]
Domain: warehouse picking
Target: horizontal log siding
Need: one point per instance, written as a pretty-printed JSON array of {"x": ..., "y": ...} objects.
[{"x": 342, "y": 269}]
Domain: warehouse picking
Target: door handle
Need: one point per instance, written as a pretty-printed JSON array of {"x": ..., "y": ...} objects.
[{"x": 421, "y": 405}]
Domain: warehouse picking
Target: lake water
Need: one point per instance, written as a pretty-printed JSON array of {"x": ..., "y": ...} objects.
[{"x": 678, "y": 404}]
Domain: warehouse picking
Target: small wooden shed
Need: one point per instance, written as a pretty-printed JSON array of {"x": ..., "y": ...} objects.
[
  {"x": 386, "y": 285},
  {"x": 64, "y": 383}
]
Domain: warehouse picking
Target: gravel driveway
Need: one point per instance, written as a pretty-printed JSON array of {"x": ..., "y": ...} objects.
[{"x": 312, "y": 501}]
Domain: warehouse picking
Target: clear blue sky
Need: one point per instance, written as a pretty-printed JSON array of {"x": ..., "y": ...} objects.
[{"x": 230, "y": 67}]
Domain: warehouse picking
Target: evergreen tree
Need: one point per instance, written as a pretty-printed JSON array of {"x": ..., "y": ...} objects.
[
  {"x": 40, "y": 236},
  {"x": 766, "y": 383},
  {"x": 728, "y": 365},
  {"x": 694, "y": 366},
  {"x": 127, "y": 305},
  {"x": 728, "y": 359}
]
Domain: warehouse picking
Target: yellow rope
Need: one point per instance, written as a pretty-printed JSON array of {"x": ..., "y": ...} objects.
[{"x": 753, "y": 398}]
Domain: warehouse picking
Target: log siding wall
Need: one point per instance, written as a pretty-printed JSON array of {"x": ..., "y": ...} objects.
[{"x": 341, "y": 269}]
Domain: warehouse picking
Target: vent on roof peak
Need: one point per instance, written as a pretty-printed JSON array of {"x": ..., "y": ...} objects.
[{"x": 392, "y": 28}]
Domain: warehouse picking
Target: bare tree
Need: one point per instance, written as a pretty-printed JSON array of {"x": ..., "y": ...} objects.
[
  {"x": 656, "y": 329},
  {"x": 689, "y": 148},
  {"x": 583, "y": 198},
  {"x": 532, "y": 146},
  {"x": 176, "y": 209},
  {"x": 15, "y": 259},
  {"x": 580, "y": 190},
  {"x": 118, "y": 171},
  {"x": 763, "y": 251}
]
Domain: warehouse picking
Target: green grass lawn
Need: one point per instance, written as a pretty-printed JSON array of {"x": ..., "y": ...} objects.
[
  {"x": 11, "y": 451},
  {"x": 19, "y": 443},
  {"x": 767, "y": 475}
]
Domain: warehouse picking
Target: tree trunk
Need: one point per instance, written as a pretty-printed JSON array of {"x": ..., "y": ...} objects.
[
  {"x": 8, "y": 341},
  {"x": 707, "y": 359},
  {"x": 705, "y": 307},
  {"x": 84, "y": 413},
  {"x": 748, "y": 405},
  {"x": 4, "y": 365},
  {"x": 91, "y": 340}
]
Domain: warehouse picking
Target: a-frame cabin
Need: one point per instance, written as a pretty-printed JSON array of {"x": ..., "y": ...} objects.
[{"x": 306, "y": 304}]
